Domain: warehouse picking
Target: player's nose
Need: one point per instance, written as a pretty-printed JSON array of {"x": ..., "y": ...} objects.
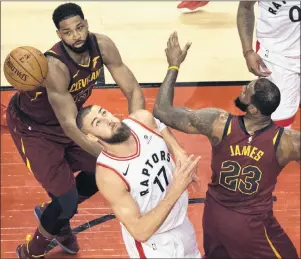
[{"x": 76, "y": 36}]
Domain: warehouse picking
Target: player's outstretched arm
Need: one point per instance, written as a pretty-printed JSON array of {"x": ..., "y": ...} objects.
[
  {"x": 115, "y": 191},
  {"x": 289, "y": 147},
  {"x": 64, "y": 107},
  {"x": 122, "y": 75},
  {"x": 207, "y": 121}
]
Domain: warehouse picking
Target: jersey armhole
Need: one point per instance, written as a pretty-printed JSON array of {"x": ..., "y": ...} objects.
[
  {"x": 276, "y": 139},
  {"x": 227, "y": 129},
  {"x": 97, "y": 46},
  {"x": 52, "y": 54},
  {"x": 117, "y": 173}
]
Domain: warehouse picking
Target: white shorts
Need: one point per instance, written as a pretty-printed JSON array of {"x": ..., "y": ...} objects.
[
  {"x": 286, "y": 75},
  {"x": 288, "y": 83},
  {"x": 179, "y": 242}
]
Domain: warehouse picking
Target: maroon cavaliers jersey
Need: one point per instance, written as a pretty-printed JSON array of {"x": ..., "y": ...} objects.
[
  {"x": 34, "y": 106},
  {"x": 245, "y": 167}
]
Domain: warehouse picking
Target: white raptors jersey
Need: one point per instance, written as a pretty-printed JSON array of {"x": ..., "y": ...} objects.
[
  {"x": 147, "y": 173},
  {"x": 278, "y": 27}
]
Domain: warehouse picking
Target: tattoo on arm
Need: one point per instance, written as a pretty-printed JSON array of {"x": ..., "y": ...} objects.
[
  {"x": 245, "y": 23},
  {"x": 183, "y": 119}
]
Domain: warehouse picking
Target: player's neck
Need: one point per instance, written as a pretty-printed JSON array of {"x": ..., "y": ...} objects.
[
  {"x": 254, "y": 123},
  {"x": 79, "y": 58},
  {"x": 124, "y": 149}
]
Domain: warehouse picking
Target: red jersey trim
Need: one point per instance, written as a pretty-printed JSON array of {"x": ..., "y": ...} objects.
[
  {"x": 144, "y": 126},
  {"x": 117, "y": 173},
  {"x": 140, "y": 249},
  {"x": 137, "y": 153}
]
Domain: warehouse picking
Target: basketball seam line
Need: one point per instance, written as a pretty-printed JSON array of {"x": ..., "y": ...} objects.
[
  {"x": 25, "y": 69},
  {"x": 5, "y": 68},
  {"x": 36, "y": 60}
]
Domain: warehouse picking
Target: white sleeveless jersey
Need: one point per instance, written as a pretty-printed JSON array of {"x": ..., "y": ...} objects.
[
  {"x": 278, "y": 27},
  {"x": 148, "y": 173}
]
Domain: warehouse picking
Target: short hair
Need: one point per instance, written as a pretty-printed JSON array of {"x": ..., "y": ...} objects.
[
  {"x": 81, "y": 115},
  {"x": 66, "y": 11},
  {"x": 266, "y": 97}
]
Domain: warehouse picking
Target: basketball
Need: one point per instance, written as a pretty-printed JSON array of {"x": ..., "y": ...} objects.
[{"x": 25, "y": 68}]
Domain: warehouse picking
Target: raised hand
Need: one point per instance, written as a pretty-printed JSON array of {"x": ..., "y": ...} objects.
[
  {"x": 185, "y": 173},
  {"x": 256, "y": 65},
  {"x": 175, "y": 55}
]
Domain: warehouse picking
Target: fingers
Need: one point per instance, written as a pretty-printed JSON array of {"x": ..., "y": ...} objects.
[
  {"x": 189, "y": 164},
  {"x": 196, "y": 180},
  {"x": 257, "y": 66},
  {"x": 187, "y": 46},
  {"x": 175, "y": 40},
  {"x": 194, "y": 163},
  {"x": 265, "y": 71},
  {"x": 178, "y": 163},
  {"x": 257, "y": 72},
  {"x": 195, "y": 183}
]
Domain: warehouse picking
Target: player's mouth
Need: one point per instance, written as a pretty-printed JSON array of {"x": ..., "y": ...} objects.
[{"x": 79, "y": 44}]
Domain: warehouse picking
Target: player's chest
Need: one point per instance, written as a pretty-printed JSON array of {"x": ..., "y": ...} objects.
[
  {"x": 280, "y": 10},
  {"x": 81, "y": 79},
  {"x": 151, "y": 172}
]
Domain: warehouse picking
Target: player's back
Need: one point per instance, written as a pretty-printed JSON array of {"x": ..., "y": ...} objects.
[
  {"x": 148, "y": 173},
  {"x": 245, "y": 168},
  {"x": 278, "y": 26},
  {"x": 34, "y": 107}
]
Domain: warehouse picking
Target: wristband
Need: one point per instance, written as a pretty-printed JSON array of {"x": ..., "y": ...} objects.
[{"x": 173, "y": 67}]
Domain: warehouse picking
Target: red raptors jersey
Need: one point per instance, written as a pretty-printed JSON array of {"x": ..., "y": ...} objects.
[
  {"x": 34, "y": 106},
  {"x": 245, "y": 168}
]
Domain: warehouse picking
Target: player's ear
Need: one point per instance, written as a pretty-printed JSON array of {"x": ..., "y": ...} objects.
[
  {"x": 86, "y": 22},
  {"x": 252, "y": 109}
]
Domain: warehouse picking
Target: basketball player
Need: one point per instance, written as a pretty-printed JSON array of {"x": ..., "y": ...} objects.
[
  {"x": 277, "y": 53},
  {"x": 42, "y": 124},
  {"x": 248, "y": 153},
  {"x": 136, "y": 174}
]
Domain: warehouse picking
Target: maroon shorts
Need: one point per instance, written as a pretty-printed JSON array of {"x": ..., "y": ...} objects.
[
  {"x": 229, "y": 234},
  {"x": 53, "y": 163}
]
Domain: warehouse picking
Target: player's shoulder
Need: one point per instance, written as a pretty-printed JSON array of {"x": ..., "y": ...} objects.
[
  {"x": 289, "y": 146},
  {"x": 103, "y": 40},
  {"x": 107, "y": 177},
  {"x": 145, "y": 117},
  {"x": 58, "y": 76},
  {"x": 289, "y": 136},
  {"x": 55, "y": 66},
  {"x": 54, "y": 61}
]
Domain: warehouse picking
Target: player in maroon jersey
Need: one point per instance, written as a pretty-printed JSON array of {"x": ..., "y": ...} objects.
[
  {"x": 248, "y": 154},
  {"x": 42, "y": 124}
]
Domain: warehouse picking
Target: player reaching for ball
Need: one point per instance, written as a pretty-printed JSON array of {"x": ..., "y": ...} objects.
[
  {"x": 248, "y": 154},
  {"x": 42, "y": 123}
]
